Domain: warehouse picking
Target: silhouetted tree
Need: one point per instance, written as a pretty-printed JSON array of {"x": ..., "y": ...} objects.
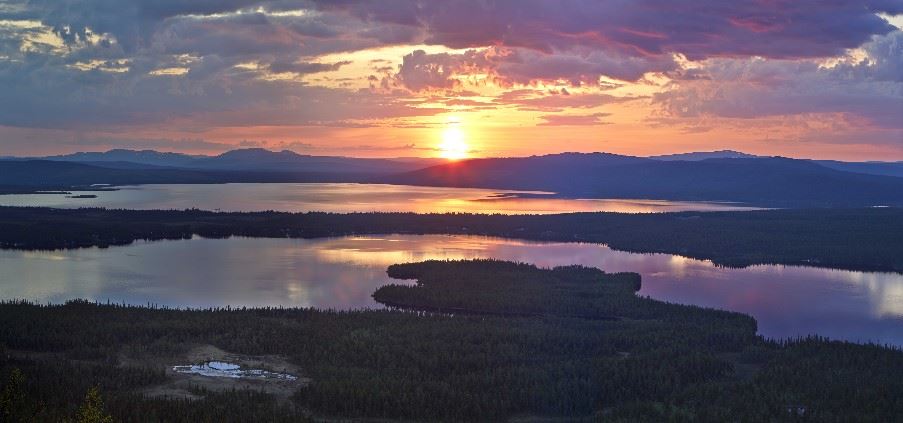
[
  {"x": 92, "y": 410},
  {"x": 13, "y": 404}
]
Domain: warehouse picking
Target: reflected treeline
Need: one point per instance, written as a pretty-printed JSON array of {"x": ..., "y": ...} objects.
[
  {"x": 655, "y": 362},
  {"x": 854, "y": 239}
]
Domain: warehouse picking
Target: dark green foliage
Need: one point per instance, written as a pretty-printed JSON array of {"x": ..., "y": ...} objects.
[
  {"x": 856, "y": 239},
  {"x": 14, "y": 405},
  {"x": 92, "y": 410},
  {"x": 493, "y": 287},
  {"x": 504, "y": 288},
  {"x": 655, "y": 362},
  {"x": 61, "y": 391}
]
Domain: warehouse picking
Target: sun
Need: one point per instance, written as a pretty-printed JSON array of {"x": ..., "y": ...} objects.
[{"x": 453, "y": 145}]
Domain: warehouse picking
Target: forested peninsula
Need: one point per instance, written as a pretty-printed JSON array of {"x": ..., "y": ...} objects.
[{"x": 855, "y": 239}]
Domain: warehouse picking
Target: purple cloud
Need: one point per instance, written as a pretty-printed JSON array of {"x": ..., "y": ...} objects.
[
  {"x": 752, "y": 88},
  {"x": 697, "y": 29},
  {"x": 302, "y": 68}
]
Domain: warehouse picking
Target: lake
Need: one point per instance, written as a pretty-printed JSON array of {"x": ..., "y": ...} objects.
[
  {"x": 345, "y": 198},
  {"x": 342, "y": 273}
]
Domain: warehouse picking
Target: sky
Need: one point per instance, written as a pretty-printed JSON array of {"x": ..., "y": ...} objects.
[{"x": 797, "y": 78}]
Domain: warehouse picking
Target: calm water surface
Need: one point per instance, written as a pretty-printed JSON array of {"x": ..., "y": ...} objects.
[
  {"x": 344, "y": 198},
  {"x": 341, "y": 273}
]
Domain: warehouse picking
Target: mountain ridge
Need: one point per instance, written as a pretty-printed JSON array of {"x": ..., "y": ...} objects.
[
  {"x": 773, "y": 181},
  {"x": 703, "y": 155},
  {"x": 245, "y": 159},
  {"x": 768, "y": 181}
]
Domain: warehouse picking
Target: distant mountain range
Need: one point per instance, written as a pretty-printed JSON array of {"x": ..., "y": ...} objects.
[
  {"x": 709, "y": 176},
  {"x": 249, "y": 159},
  {"x": 703, "y": 155},
  {"x": 872, "y": 168},
  {"x": 146, "y": 157},
  {"x": 769, "y": 181}
]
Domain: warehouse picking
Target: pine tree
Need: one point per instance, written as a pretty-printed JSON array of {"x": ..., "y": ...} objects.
[
  {"x": 13, "y": 407},
  {"x": 92, "y": 411}
]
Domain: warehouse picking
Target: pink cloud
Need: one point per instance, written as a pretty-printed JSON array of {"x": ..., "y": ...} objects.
[
  {"x": 536, "y": 100},
  {"x": 574, "y": 120}
]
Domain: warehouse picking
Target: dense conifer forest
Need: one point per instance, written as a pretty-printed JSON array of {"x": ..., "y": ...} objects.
[
  {"x": 513, "y": 341},
  {"x": 855, "y": 239}
]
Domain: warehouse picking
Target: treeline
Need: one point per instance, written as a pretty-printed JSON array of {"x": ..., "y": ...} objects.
[
  {"x": 658, "y": 362},
  {"x": 520, "y": 289},
  {"x": 855, "y": 239}
]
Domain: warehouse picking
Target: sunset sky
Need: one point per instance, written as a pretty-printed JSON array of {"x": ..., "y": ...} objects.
[{"x": 819, "y": 79}]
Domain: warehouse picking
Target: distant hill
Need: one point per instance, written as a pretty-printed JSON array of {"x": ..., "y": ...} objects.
[
  {"x": 550, "y": 172},
  {"x": 147, "y": 157},
  {"x": 765, "y": 181},
  {"x": 49, "y": 174},
  {"x": 125, "y": 165},
  {"x": 250, "y": 159},
  {"x": 704, "y": 155},
  {"x": 289, "y": 161},
  {"x": 872, "y": 168}
]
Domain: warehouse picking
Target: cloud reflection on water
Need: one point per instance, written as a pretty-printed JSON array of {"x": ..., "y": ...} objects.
[{"x": 342, "y": 273}]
